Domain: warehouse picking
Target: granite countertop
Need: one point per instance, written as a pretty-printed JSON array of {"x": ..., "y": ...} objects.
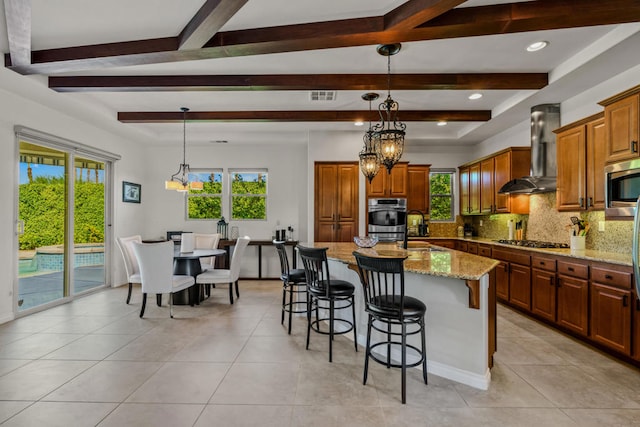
[{"x": 425, "y": 260}]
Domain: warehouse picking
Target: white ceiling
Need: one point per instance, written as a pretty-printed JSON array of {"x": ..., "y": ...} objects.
[{"x": 64, "y": 23}]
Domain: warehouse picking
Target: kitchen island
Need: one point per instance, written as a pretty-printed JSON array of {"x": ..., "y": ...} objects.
[{"x": 457, "y": 290}]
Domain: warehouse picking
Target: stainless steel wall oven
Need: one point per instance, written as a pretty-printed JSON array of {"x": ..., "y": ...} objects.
[{"x": 387, "y": 219}]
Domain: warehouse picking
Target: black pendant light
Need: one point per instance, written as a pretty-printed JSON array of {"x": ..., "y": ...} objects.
[
  {"x": 388, "y": 134},
  {"x": 180, "y": 180},
  {"x": 369, "y": 156}
]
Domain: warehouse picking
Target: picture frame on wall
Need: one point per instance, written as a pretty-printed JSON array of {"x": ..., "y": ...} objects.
[{"x": 131, "y": 192}]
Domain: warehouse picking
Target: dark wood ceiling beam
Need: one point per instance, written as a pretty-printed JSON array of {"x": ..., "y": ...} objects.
[
  {"x": 18, "y": 18},
  {"x": 363, "y": 82},
  {"x": 462, "y": 22},
  {"x": 300, "y": 116},
  {"x": 207, "y": 22},
  {"x": 415, "y": 12}
]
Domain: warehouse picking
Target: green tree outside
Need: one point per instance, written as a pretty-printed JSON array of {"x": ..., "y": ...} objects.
[{"x": 441, "y": 196}]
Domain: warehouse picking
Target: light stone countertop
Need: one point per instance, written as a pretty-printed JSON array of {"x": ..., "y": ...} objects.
[{"x": 438, "y": 262}]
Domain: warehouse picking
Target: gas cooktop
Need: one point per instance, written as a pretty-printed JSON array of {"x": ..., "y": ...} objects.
[{"x": 533, "y": 243}]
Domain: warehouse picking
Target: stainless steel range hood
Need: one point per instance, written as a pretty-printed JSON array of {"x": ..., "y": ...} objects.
[{"x": 544, "y": 119}]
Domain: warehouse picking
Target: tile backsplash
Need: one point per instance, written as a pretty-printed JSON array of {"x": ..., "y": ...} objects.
[{"x": 544, "y": 222}]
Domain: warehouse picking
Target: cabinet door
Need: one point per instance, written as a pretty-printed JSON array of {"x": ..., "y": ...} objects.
[
  {"x": 611, "y": 317},
  {"x": 621, "y": 120},
  {"x": 325, "y": 231},
  {"x": 543, "y": 294},
  {"x": 571, "y": 157},
  {"x": 501, "y": 175},
  {"x": 474, "y": 189},
  {"x": 596, "y": 157},
  {"x": 520, "y": 286},
  {"x": 345, "y": 231},
  {"x": 347, "y": 193},
  {"x": 487, "y": 190},
  {"x": 464, "y": 191},
  {"x": 502, "y": 281},
  {"x": 636, "y": 328},
  {"x": 398, "y": 180},
  {"x": 326, "y": 186},
  {"x": 418, "y": 188},
  {"x": 572, "y": 303},
  {"x": 376, "y": 188}
]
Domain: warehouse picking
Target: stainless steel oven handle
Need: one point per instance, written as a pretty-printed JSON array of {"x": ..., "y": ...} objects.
[{"x": 634, "y": 248}]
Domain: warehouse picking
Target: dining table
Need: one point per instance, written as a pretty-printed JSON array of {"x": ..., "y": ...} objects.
[{"x": 188, "y": 263}]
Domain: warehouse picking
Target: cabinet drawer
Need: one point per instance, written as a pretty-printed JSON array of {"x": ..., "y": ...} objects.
[
  {"x": 543, "y": 263},
  {"x": 611, "y": 277},
  {"x": 573, "y": 269},
  {"x": 472, "y": 248},
  {"x": 514, "y": 256},
  {"x": 484, "y": 250}
]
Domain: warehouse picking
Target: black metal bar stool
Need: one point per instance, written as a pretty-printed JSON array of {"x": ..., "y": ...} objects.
[
  {"x": 321, "y": 289},
  {"x": 391, "y": 313},
  {"x": 294, "y": 284}
]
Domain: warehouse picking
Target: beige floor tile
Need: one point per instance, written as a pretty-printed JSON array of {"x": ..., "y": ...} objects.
[
  {"x": 62, "y": 414},
  {"x": 36, "y": 346},
  {"x": 91, "y": 347},
  {"x": 153, "y": 347},
  {"x": 37, "y": 322},
  {"x": 528, "y": 351},
  {"x": 36, "y": 379},
  {"x": 258, "y": 384},
  {"x": 270, "y": 326},
  {"x": 81, "y": 325},
  {"x": 337, "y": 416},
  {"x": 107, "y": 381},
  {"x": 8, "y": 365},
  {"x": 208, "y": 348},
  {"x": 7, "y": 337},
  {"x": 8, "y": 408},
  {"x": 271, "y": 349},
  {"x": 605, "y": 417},
  {"x": 131, "y": 324},
  {"x": 181, "y": 382},
  {"x": 152, "y": 414},
  {"x": 245, "y": 416}
]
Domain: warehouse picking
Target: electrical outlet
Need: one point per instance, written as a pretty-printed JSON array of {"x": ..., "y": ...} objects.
[
  {"x": 600, "y": 225},
  {"x": 481, "y": 222}
]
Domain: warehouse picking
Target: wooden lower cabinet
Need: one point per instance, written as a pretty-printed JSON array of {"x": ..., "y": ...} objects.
[
  {"x": 611, "y": 317},
  {"x": 502, "y": 281},
  {"x": 520, "y": 286},
  {"x": 636, "y": 329},
  {"x": 543, "y": 294},
  {"x": 572, "y": 304}
]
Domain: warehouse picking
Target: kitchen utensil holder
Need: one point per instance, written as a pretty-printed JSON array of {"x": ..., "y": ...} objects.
[{"x": 578, "y": 243}]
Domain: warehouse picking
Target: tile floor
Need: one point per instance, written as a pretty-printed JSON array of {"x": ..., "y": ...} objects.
[{"x": 95, "y": 362}]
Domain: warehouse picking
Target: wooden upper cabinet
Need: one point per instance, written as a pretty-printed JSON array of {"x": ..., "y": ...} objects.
[
  {"x": 581, "y": 158},
  {"x": 622, "y": 120},
  {"x": 418, "y": 188},
  {"x": 386, "y": 184},
  {"x": 480, "y": 182}
]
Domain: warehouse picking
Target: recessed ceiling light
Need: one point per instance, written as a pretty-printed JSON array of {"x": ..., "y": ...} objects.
[
  {"x": 358, "y": 123},
  {"x": 442, "y": 123},
  {"x": 475, "y": 96},
  {"x": 533, "y": 47}
]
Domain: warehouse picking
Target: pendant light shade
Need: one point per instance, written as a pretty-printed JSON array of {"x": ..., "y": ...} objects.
[
  {"x": 180, "y": 180},
  {"x": 388, "y": 134},
  {"x": 369, "y": 156}
]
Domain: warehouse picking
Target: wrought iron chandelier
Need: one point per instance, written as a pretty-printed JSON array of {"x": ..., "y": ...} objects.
[
  {"x": 369, "y": 156},
  {"x": 180, "y": 180},
  {"x": 388, "y": 134}
]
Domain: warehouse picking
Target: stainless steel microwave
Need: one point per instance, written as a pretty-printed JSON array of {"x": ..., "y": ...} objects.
[{"x": 622, "y": 188}]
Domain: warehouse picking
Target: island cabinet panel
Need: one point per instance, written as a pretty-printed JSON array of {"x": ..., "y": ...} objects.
[
  {"x": 622, "y": 121},
  {"x": 393, "y": 184},
  {"x": 581, "y": 150},
  {"x": 636, "y": 327},
  {"x": 336, "y": 201},
  {"x": 611, "y": 317},
  {"x": 418, "y": 188}
]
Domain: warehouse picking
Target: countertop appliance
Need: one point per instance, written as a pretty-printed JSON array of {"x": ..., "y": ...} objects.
[
  {"x": 622, "y": 188},
  {"x": 387, "y": 219}
]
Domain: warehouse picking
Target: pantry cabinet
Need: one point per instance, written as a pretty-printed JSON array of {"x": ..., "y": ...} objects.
[
  {"x": 581, "y": 154},
  {"x": 336, "y": 201},
  {"x": 622, "y": 121},
  {"x": 481, "y": 180}
]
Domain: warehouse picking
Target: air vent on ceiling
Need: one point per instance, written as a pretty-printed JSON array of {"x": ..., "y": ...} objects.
[
  {"x": 219, "y": 141},
  {"x": 322, "y": 95}
]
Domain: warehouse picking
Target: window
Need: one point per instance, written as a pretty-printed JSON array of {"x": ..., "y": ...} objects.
[
  {"x": 248, "y": 194},
  {"x": 441, "y": 194},
  {"x": 205, "y": 203}
]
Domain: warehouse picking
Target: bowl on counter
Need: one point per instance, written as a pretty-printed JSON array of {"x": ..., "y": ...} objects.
[{"x": 365, "y": 241}]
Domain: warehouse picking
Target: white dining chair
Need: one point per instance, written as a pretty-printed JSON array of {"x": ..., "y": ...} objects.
[
  {"x": 156, "y": 272},
  {"x": 206, "y": 241},
  {"x": 230, "y": 276},
  {"x": 131, "y": 266}
]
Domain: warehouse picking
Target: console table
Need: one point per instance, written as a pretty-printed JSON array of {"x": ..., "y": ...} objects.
[{"x": 226, "y": 245}]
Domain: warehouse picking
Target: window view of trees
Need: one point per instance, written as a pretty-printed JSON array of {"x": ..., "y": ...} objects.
[
  {"x": 441, "y": 194},
  {"x": 205, "y": 203},
  {"x": 249, "y": 195}
]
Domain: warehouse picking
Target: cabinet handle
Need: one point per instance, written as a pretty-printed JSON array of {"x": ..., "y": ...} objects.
[
  {"x": 551, "y": 281},
  {"x": 589, "y": 202},
  {"x": 541, "y": 262},
  {"x": 581, "y": 202},
  {"x": 608, "y": 276},
  {"x": 558, "y": 282},
  {"x": 634, "y": 146},
  {"x": 625, "y": 300},
  {"x": 570, "y": 269}
]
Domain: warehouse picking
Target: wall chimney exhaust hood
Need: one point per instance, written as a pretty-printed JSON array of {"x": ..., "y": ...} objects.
[{"x": 544, "y": 119}]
